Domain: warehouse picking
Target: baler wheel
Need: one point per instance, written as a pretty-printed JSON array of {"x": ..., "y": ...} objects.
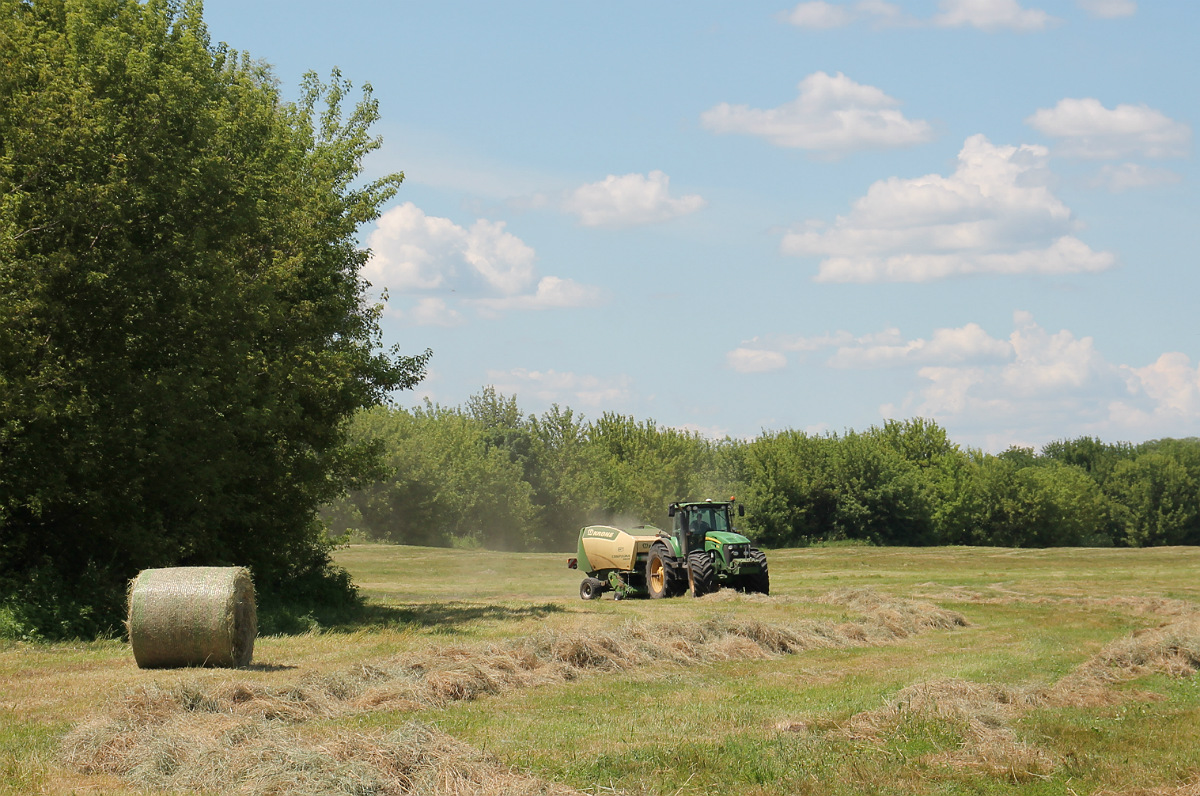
[
  {"x": 591, "y": 589},
  {"x": 661, "y": 573}
]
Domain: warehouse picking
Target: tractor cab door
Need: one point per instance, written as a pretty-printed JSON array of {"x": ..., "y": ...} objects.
[{"x": 696, "y": 522}]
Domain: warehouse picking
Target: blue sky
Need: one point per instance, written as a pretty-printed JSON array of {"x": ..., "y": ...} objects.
[{"x": 737, "y": 217}]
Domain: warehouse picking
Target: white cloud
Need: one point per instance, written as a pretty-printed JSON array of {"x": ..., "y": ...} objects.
[
  {"x": 831, "y": 114},
  {"x": 888, "y": 348},
  {"x": 629, "y": 200},
  {"x": 1130, "y": 176},
  {"x": 948, "y": 392},
  {"x": 482, "y": 265},
  {"x": 551, "y": 386},
  {"x": 1089, "y": 130},
  {"x": 499, "y": 257},
  {"x": 968, "y": 343},
  {"x": 1171, "y": 383},
  {"x": 990, "y": 15},
  {"x": 1044, "y": 362},
  {"x": 994, "y": 215},
  {"x": 552, "y": 293},
  {"x": 1108, "y": 9},
  {"x": 433, "y": 312},
  {"x": 1057, "y": 385},
  {"x": 414, "y": 251},
  {"x": 797, "y": 343},
  {"x": 883, "y": 13},
  {"x": 755, "y": 360},
  {"x": 1032, "y": 384},
  {"x": 408, "y": 249},
  {"x": 820, "y": 15},
  {"x": 987, "y": 15}
]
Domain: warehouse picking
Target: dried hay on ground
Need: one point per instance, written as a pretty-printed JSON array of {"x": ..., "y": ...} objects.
[
  {"x": 982, "y": 715},
  {"x": 735, "y": 596},
  {"x": 887, "y": 618},
  {"x": 1172, "y": 649},
  {"x": 998, "y": 595},
  {"x": 1187, "y": 789},
  {"x": 224, "y": 753},
  {"x": 239, "y": 737}
]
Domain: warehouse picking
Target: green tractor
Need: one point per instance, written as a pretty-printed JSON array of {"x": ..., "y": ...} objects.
[{"x": 700, "y": 554}]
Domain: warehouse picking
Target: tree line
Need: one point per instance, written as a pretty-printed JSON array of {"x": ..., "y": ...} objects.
[{"x": 485, "y": 474}]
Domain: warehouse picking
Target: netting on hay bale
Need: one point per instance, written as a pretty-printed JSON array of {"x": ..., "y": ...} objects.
[{"x": 192, "y": 616}]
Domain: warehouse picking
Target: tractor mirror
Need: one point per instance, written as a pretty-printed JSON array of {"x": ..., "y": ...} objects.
[
  {"x": 671, "y": 510},
  {"x": 741, "y": 511}
]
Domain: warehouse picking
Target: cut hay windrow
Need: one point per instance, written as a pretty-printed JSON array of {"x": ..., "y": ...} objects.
[
  {"x": 1172, "y": 649},
  {"x": 1191, "y": 788},
  {"x": 983, "y": 714},
  {"x": 192, "y": 616},
  {"x": 222, "y": 753},
  {"x": 151, "y": 732},
  {"x": 997, "y": 595}
]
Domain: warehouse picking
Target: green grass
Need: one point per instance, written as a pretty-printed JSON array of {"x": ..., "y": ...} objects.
[
  {"x": 743, "y": 728},
  {"x": 25, "y": 749}
]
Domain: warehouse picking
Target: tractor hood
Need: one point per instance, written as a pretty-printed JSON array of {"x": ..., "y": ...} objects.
[{"x": 725, "y": 537}]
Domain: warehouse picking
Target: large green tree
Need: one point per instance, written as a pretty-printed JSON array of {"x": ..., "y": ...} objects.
[
  {"x": 789, "y": 487},
  {"x": 183, "y": 328},
  {"x": 1158, "y": 500}
]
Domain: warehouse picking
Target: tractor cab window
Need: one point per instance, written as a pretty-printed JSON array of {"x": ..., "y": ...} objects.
[{"x": 708, "y": 518}]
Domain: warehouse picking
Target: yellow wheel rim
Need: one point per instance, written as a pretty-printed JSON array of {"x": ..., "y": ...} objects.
[{"x": 657, "y": 578}]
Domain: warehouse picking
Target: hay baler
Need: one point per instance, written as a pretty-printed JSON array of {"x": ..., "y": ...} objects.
[{"x": 700, "y": 554}]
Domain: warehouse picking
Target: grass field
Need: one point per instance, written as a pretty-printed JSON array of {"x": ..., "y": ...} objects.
[{"x": 868, "y": 670}]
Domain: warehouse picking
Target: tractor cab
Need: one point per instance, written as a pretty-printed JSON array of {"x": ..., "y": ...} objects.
[{"x": 697, "y": 521}]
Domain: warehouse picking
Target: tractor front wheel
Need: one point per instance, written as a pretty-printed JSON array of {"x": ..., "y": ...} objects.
[
  {"x": 759, "y": 582},
  {"x": 662, "y": 573},
  {"x": 704, "y": 578},
  {"x": 591, "y": 589}
]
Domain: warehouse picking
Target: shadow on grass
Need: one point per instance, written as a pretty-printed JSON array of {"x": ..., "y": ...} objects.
[
  {"x": 269, "y": 667},
  {"x": 441, "y": 617}
]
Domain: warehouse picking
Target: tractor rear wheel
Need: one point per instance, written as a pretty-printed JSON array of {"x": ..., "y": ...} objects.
[
  {"x": 662, "y": 573},
  {"x": 704, "y": 578},
  {"x": 759, "y": 582},
  {"x": 591, "y": 589}
]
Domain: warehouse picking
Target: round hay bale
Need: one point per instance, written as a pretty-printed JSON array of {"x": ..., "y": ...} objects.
[{"x": 192, "y": 616}]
